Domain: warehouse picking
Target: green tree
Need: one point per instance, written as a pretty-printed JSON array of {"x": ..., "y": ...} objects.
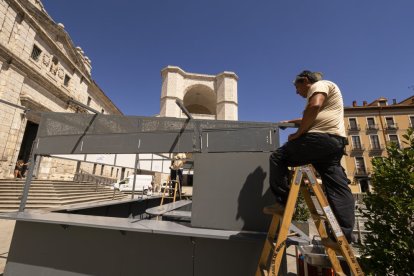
[
  {"x": 302, "y": 213},
  {"x": 389, "y": 248}
]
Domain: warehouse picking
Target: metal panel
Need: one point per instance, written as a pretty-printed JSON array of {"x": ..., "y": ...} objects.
[
  {"x": 59, "y": 144},
  {"x": 47, "y": 249},
  {"x": 230, "y": 191},
  {"x": 230, "y": 258},
  {"x": 63, "y": 133},
  {"x": 166, "y": 142},
  {"x": 114, "y": 143},
  {"x": 238, "y": 140},
  {"x": 40, "y": 248}
]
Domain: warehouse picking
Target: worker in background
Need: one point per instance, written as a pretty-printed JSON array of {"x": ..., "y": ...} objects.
[
  {"x": 18, "y": 169},
  {"x": 176, "y": 167},
  {"x": 320, "y": 140}
]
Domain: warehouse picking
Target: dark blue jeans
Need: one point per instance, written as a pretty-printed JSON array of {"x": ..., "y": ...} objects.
[{"x": 324, "y": 152}]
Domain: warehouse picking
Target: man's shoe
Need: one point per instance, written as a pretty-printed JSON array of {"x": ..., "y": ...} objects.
[{"x": 277, "y": 208}]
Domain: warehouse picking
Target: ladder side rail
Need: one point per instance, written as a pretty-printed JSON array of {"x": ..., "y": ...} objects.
[
  {"x": 318, "y": 220},
  {"x": 346, "y": 249},
  {"x": 268, "y": 245},
  {"x": 285, "y": 223}
]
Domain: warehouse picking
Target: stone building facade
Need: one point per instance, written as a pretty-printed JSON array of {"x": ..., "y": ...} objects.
[
  {"x": 370, "y": 127},
  {"x": 40, "y": 69},
  {"x": 205, "y": 96},
  {"x": 208, "y": 97}
]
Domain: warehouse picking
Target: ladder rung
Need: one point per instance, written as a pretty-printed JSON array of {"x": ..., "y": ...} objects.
[
  {"x": 332, "y": 245},
  {"x": 273, "y": 210},
  {"x": 320, "y": 217}
]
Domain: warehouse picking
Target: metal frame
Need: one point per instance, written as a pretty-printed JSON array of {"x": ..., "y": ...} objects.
[
  {"x": 206, "y": 251},
  {"x": 74, "y": 133}
]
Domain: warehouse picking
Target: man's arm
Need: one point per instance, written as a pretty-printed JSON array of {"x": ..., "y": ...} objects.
[
  {"x": 294, "y": 121},
  {"x": 309, "y": 115}
]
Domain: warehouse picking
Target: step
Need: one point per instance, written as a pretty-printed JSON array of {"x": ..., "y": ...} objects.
[
  {"x": 55, "y": 188},
  {"x": 86, "y": 196},
  {"x": 41, "y": 204}
]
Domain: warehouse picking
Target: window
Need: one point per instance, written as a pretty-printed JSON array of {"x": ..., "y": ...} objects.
[
  {"x": 89, "y": 101},
  {"x": 112, "y": 171},
  {"x": 102, "y": 169},
  {"x": 382, "y": 103},
  {"x": 360, "y": 165},
  {"x": 117, "y": 172},
  {"x": 102, "y": 111},
  {"x": 394, "y": 139},
  {"x": 375, "y": 142},
  {"x": 35, "y": 53},
  {"x": 353, "y": 124},
  {"x": 66, "y": 81},
  {"x": 412, "y": 121},
  {"x": 94, "y": 169},
  {"x": 371, "y": 123},
  {"x": 390, "y": 123},
  {"x": 356, "y": 142}
]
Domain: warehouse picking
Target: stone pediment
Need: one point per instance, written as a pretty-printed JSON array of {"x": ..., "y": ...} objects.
[{"x": 61, "y": 38}]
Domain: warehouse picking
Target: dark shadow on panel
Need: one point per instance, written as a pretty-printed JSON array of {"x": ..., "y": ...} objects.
[{"x": 252, "y": 192}]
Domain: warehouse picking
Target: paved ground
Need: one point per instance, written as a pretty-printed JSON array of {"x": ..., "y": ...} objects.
[{"x": 6, "y": 230}]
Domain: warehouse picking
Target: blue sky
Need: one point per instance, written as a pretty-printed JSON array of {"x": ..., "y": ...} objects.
[{"x": 366, "y": 47}]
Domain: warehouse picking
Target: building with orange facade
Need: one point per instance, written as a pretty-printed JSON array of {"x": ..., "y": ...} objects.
[{"x": 370, "y": 127}]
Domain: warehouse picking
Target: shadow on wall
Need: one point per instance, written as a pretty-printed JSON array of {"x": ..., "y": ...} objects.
[{"x": 252, "y": 192}]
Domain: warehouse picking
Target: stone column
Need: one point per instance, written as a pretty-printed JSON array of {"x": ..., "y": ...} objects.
[
  {"x": 172, "y": 83},
  {"x": 227, "y": 103}
]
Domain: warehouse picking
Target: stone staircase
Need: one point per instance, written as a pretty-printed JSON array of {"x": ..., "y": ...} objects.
[{"x": 52, "y": 193}]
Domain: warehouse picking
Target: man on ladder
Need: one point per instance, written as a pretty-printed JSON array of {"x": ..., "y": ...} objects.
[
  {"x": 176, "y": 174},
  {"x": 320, "y": 140}
]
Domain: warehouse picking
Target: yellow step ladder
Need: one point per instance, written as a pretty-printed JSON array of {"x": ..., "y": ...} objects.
[
  {"x": 176, "y": 190},
  {"x": 304, "y": 180}
]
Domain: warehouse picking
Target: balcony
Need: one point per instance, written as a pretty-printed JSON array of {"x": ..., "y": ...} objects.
[
  {"x": 357, "y": 148},
  {"x": 361, "y": 172},
  {"x": 378, "y": 149},
  {"x": 372, "y": 127},
  {"x": 389, "y": 143},
  {"x": 391, "y": 127},
  {"x": 354, "y": 128}
]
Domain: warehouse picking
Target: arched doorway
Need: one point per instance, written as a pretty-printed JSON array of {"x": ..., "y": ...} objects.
[{"x": 200, "y": 99}]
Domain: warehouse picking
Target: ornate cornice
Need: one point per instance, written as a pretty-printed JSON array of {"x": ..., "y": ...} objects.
[
  {"x": 30, "y": 14},
  {"x": 176, "y": 69}
]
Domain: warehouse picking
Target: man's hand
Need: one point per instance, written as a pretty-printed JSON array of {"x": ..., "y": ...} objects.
[{"x": 294, "y": 136}]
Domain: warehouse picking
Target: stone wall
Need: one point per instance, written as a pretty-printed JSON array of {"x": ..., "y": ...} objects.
[{"x": 40, "y": 69}]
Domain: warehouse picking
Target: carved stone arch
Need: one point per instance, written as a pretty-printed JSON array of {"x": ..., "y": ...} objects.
[{"x": 200, "y": 99}]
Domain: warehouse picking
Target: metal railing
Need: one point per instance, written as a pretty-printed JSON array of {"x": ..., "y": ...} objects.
[
  {"x": 372, "y": 127},
  {"x": 357, "y": 148},
  {"x": 393, "y": 126},
  {"x": 354, "y": 127},
  {"x": 361, "y": 172},
  {"x": 376, "y": 147},
  {"x": 83, "y": 176}
]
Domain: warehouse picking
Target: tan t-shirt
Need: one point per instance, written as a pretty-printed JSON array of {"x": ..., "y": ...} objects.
[
  {"x": 179, "y": 160},
  {"x": 330, "y": 118}
]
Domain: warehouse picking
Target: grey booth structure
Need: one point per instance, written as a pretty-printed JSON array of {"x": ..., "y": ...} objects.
[{"x": 220, "y": 232}]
